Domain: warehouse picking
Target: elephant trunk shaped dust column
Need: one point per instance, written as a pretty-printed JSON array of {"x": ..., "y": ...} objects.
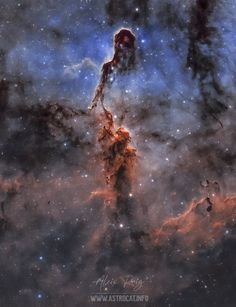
[{"x": 118, "y": 155}]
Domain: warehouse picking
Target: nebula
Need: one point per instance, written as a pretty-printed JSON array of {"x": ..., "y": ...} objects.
[
  {"x": 123, "y": 61},
  {"x": 202, "y": 36},
  {"x": 117, "y": 152},
  {"x": 118, "y": 155},
  {"x": 202, "y": 225}
]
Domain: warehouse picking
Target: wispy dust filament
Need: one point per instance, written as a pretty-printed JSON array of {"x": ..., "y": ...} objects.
[{"x": 118, "y": 156}]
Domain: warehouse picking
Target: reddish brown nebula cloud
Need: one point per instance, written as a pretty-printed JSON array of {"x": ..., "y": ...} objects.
[
  {"x": 119, "y": 159},
  {"x": 199, "y": 227},
  {"x": 118, "y": 156},
  {"x": 112, "y": 190}
]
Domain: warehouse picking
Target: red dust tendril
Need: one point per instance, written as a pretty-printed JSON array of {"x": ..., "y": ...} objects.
[
  {"x": 122, "y": 61},
  {"x": 118, "y": 155}
]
